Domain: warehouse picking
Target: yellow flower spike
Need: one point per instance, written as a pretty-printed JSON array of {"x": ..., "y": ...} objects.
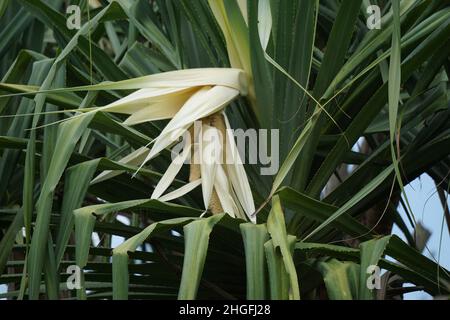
[{"x": 210, "y": 160}]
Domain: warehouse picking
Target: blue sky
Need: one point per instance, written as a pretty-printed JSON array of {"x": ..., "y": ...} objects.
[{"x": 428, "y": 210}]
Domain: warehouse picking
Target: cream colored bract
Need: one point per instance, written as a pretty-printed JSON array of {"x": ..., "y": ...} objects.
[{"x": 187, "y": 96}]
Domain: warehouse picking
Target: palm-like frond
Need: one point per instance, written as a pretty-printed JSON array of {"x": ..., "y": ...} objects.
[{"x": 87, "y": 117}]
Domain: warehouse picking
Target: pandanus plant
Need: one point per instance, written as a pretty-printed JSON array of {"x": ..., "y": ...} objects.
[
  {"x": 201, "y": 95},
  {"x": 191, "y": 95},
  {"x": 166, "y": 81}
]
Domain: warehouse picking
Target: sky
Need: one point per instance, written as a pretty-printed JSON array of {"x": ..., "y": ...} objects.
[{"x": 427, "y": 209}]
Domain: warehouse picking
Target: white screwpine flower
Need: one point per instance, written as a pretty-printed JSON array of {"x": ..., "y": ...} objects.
[{"x": 186, "y": 97}]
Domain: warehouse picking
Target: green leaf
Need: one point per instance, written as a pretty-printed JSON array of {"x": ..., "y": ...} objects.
[
  {"x": 304, "y": 206},
  {"x": 14, "y": 28},
  {"x": 277, "y": 230},
  {"x": 8, "y": 239},
  {"x": 293, "y": 154},
  {"x": 427, "y": 269},
  {"x": 196, "y": 236},
  {"x": 341, "y": 279},
  {"x": 338, "y": 42},
  {"x": 336, "y": 48},
  {"x": 3, "y": 7},
  {"x": 341, "y": 252},
  {"x": 279, "y": 279},
  {"x": 100, "y": 59},
  {"x": 295, "y": 106},
  {"x": 120, "y": 254},
  {"x": 76, "y": 184},
  {"x": 261, "y": 71},
  {"x": 206, "y": 29},
  {"x": 19, "y": 125},
  {"x": 254, "y": 238},
  {"x": 138, "y": 13},
  {"x": 372, "y": 185},
  {"x": 68, "y": 135},
  {"x": 371, "y": 253},
  {"x": 394, "y": 93}
]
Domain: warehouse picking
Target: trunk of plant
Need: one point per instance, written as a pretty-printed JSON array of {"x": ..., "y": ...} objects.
[{"x": 216, "y": 120}]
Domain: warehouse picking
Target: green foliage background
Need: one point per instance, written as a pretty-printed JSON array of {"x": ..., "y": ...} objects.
[{"x": 388, "y": 86}]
